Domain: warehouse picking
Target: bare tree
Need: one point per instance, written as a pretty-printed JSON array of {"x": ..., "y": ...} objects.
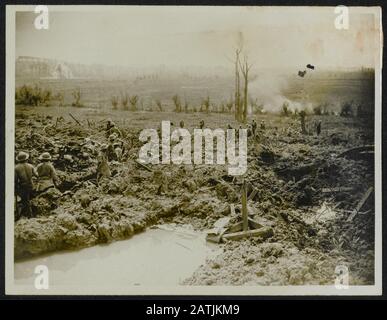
[
  {"x": 237, "y": 100},
  {"x": 124, "y": 101},
  {"x": 245, "y": 68}
]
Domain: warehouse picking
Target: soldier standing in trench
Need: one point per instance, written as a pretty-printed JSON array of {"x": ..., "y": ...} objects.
[
  {"x": 23, "y": 184},
  {"x": 114, "y": 150},
  {"x": 254, "y": 127},
  {"x": 111, "y": 128},
  {"x": 103, "y": 170},
  {"x": 318, "y": 128},
  {"x": 47, "y": 177}
]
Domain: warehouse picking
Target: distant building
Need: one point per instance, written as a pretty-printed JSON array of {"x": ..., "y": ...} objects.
[
  {"x": 62, "y": 71},
  {"x": 34, "y": 67}
]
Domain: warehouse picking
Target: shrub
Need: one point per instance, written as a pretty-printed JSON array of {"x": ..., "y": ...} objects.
[
  {"x": 124, "y": 101},
  {"x": 346, "y": 109},
  {"x": 285, "y": 111},
  {"x": 321, "y": 109},
  {"x": 114, "y": 101},
  {"x": 77, "y": 98},
  {"x": 317, "y": 110},
  {"x": 229, "y": 106},
  {"x": 133, "y": 100},
  {"x": 60, "y": 98},
  {"x": 159, "y": 105},
  {"x": 33, "y": 96},
  {"x": 177, "y": 103},
  {"x": 206, "y": 104}
]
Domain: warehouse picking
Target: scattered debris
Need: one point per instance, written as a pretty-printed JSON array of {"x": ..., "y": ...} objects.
[{"x": 291, "y": 178}]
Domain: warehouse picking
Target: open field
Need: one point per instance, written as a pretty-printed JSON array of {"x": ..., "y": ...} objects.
[{"x": 269, "y": 90}]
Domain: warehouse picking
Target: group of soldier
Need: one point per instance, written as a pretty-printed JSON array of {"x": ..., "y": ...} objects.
[
  {"x": 31, "y": 181},
  {"x": 26, "y": 189}
]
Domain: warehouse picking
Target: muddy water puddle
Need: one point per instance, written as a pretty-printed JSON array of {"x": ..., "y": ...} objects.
[{"x": 164, "y": 255}]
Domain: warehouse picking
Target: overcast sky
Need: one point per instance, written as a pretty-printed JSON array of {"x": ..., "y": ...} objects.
[{"x": 203, "y": 36}]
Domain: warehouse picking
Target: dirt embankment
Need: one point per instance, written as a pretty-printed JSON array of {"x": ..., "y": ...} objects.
[{"x": 292, "y": 187}]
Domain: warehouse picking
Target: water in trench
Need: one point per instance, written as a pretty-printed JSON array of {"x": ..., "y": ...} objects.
[{"x": 163, "y": 256}]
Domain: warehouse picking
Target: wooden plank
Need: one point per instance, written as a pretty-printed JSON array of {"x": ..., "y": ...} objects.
[
  {"x": 144, "y": 166},
  {"x": 360, "y": 204},
  {"x": 356, "y": 150},
  {"x": 235, "y": 227},
  {"x": 254, "y": 224},
  {"x": 264, "y": 232},
  {"x": 216, "y": 237},
  {"x": 75, "y": 119},
  {"x": 336, "y": 189}
]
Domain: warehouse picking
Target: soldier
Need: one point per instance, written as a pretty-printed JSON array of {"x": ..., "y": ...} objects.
[
  {"x": 23, "y": 184},
  {"x": 103, "y": 170},
  {"x": 318, "y": 127},
  {"x": 254, "y": 127},
  {"x": 109, "y": 125},
  {"x": 111, "y": 128},
  {"x": 110, "y": 152},
  {"x": 118, "y": 148},
  {"x": 263, "y": 125},
  {"x": 237, "y": 131},
  {"x": 201, "y": 124},
  {"x": 229, "y": 126},
  {"x": 249, "y": 131},
  {"x": 47, "y": 177},
  {"x": 182, "y": 124}
]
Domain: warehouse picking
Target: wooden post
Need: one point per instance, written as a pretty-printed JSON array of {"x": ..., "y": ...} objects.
[
  {"x": 244, "y": 207},
  {"x": 360, "y": 204}
]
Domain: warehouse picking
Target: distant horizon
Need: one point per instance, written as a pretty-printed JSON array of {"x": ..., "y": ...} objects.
[{"x": 180, "y": 67}]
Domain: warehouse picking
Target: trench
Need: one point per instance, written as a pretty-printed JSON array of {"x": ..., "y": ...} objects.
[{"x": 162, "y": 255}]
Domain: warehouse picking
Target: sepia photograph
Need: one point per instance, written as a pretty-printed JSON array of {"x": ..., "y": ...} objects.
[{"x": 201, "y": 150}]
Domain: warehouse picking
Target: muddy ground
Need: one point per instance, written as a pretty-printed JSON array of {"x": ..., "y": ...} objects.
[{"x": 294, "y": 175}]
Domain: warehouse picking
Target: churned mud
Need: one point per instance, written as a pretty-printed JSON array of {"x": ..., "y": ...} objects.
[{"x": 303, "y": 186}]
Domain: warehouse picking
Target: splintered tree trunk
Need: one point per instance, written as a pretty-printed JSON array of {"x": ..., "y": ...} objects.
[
  {"x": 245, "y": 72},
  {"x": 237, "y": 87},
  {"x": 245, "y": 97}
]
